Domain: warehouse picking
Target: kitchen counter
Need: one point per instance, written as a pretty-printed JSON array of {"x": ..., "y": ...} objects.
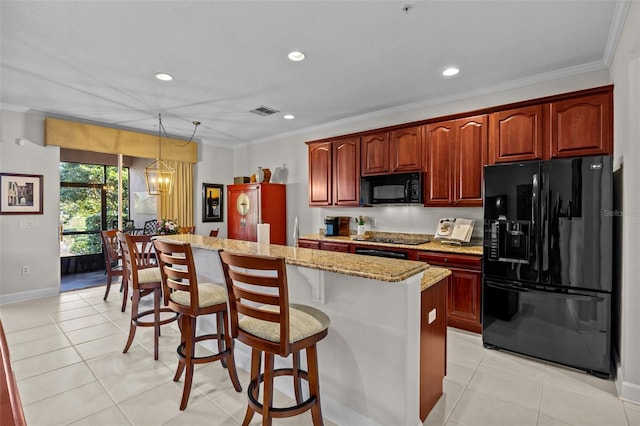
[
  {"x": 383, "y": 360},
  {"x": 433, "y": 245}
]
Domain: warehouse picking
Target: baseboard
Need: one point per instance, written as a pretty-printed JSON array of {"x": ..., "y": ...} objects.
[
  {"x": 29, "y": 295},
  {"x": 626, "y": 390}
]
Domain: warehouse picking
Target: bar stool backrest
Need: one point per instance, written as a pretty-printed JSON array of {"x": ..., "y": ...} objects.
[
  {"x": 257, "y": 288},
  {"x": 178, "y": 272}
]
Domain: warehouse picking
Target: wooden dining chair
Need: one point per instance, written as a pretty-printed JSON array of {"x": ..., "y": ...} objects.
[
  {"x": 192, "y": 299},
  {"x": 144, "y": 278},
  {"x": 214, "y": 232},
  {"x": 112, "y": 258},
  {"x": 187, "y": 230},
  {"x": 262, "y": 318}
]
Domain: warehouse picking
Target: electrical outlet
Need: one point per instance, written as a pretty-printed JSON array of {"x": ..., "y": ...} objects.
[
  {"x": 374, "y": 222},
  {"x": 26, "y": 270}
]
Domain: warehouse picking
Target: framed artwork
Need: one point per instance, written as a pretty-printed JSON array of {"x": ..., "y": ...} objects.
[
  {"x": 212, "y": 202},
  {"x": 20, "y": 194}
]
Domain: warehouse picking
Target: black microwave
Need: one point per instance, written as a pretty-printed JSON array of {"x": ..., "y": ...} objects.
[{"x": 401, "y": 188}]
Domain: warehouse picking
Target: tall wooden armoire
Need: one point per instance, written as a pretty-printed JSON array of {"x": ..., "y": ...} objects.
[{"x": 252, "y": 203}]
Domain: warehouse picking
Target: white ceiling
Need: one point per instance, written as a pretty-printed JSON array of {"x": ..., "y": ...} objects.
[{"x": 95, "y": 60}]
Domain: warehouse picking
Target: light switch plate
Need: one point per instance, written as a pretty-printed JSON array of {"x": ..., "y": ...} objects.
[{"x": 432, "y": 315}]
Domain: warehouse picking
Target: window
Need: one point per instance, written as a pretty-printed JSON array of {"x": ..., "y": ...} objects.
[{"x": 88, "y": 204}]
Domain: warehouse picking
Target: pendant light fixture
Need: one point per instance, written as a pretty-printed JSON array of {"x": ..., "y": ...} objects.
[{"x": 159, "y": 175}]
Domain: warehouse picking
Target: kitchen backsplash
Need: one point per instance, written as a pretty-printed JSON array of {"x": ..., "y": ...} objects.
[{"x": 408, "y": 219}]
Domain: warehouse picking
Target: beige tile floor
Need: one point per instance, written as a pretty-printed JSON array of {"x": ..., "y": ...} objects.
[{"x": 67, "y": 356}]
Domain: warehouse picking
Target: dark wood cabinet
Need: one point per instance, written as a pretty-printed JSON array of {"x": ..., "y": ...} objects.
[
  {"x": 582, "y": 126},
  {"x": 433, "y": 345},
  {"x": 517, "y": 134},
  {"x": 375, "y": 153},
  {"x": 334, "y": 172},
  {"x": 395, "y": 151},
  {"x": 455, "y": 157},
  {"x": 320, "y": 174},
  {"x": 346, "y": 172},
  {"x": 405, "y": 150},
  {"x": 250, "y": 204},
  {"x": 440, "y": 151},
  {"x": 464, "y": 292},
  {"x": 470, "y": 159}
]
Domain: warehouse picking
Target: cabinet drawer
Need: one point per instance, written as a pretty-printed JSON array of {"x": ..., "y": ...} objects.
[
  {"x": 309, "y": 244},
  {"x": 341, "y": 247},
  {"x": 452, "y": 260}
]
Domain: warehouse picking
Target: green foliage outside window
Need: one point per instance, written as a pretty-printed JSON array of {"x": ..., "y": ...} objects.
[{"x": 81, "y": 206}]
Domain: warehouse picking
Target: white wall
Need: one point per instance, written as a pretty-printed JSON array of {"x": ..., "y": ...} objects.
[
  {"x": 625, "y": 75},
  {"x": 39, "y": 247}
]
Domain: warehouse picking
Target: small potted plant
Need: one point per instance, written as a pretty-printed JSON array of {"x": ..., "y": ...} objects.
[{"x": 360, "y": 220}]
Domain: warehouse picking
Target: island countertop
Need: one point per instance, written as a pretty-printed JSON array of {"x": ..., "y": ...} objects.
[{"x": 375, "y": 268}]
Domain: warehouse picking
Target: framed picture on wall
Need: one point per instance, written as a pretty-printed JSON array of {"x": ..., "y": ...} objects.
[
  {"x": 212, "y": 202},
  {"x": 20, "y": 194}
]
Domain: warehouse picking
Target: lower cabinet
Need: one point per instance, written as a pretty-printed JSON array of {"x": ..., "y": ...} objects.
[
  {"x": 433, "y": 345},
  {"x": 464, "y": 292}
]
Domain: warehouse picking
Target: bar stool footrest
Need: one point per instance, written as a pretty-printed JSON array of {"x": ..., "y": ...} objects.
[
  {"x": 142, "y": 323},
  {"x": 280, "y": 412},
  {"x": 207, "y": 358}
]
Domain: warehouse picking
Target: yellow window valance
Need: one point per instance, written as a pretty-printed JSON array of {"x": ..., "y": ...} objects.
[{"x": 89, "y": 137}]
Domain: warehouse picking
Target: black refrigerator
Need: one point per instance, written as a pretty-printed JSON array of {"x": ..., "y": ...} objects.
[{"x": 547, "y": 261}]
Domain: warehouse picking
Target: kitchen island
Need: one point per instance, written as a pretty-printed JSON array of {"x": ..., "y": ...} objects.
[{"x": 383, "y": 359}]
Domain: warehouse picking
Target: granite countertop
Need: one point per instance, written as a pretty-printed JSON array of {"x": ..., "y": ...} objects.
[
  {"x": 375, "y": 268},
  {"x": 473, "y": 248}
]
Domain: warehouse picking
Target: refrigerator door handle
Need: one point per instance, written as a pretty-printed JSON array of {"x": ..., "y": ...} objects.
[
  {"x": 534, "y": 222},
  {"x": 507, "y": 287}
]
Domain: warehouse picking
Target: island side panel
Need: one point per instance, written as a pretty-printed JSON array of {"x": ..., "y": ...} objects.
[{"x": 433, "y": 345}]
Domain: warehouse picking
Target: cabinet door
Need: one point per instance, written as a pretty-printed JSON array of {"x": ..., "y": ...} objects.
[
  {"x": 242, "y": 212},
  {"x": 470, "y": 158},
  {"x": 405, "y": 150},
  {"x": 346, "y": 172},
  {"x": 309, "y": 244},
  {"x": 464, "y": 300},
  {"x": 375, "y": 153},
  {"x": 320, "y": 176},
  {"x": 516, "y": 134},
  {"x": 440, "y": 139},
  {"x": 582, "y": 126}
]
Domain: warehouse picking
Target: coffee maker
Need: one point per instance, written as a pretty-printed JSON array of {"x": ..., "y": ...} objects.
[{"x": 337, "y": 226}]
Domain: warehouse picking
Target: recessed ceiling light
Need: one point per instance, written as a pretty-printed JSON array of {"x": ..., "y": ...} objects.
[
  {"x": 296, "y": 56},
  {"x": 450, "y": 71},
  {"x": 164, "y": 76},
  {"x": 289, "y": 116}
]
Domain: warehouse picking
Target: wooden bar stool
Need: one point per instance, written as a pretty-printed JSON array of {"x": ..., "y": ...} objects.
[
  {"x": 192, "y": 299},
  {"x": 112, "y": 258},
  {"x": 258, "y": 290},
  {"x": 144, "y": 277}
]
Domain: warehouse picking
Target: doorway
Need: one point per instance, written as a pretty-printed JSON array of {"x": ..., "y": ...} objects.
[{"x": 88, "y": 204}]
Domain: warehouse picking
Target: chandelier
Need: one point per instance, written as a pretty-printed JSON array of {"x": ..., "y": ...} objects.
[{"x": 159, "y": 175}]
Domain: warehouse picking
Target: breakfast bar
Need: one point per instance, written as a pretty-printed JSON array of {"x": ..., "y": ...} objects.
[{"x": 383, "y": 359}]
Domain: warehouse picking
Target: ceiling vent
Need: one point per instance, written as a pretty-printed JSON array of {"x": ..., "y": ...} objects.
[{"x": 263, "y": 111}]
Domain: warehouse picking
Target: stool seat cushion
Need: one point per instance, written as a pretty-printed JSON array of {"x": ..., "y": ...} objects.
[
  {"x": 304, "y": 321},
  {"x": 209, "y": 294},
  {"x": 149, "y": 275}
]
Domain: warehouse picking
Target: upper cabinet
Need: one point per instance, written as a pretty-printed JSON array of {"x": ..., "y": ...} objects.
[
  {"x": 405, "y": 150},
  {"x": 453, "y": 150},
  {"x": 334, "y": 172},
  {"x": 569, "y": 125},
  {"x": 375, "y": 153},
  {"x": 455, "y": 157},
  {"x": 517, "y": 134},
  {"x": 582, "y": 126},
  {"x": 320, "y": 174},
  {"x": 395, "y": 151}
]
